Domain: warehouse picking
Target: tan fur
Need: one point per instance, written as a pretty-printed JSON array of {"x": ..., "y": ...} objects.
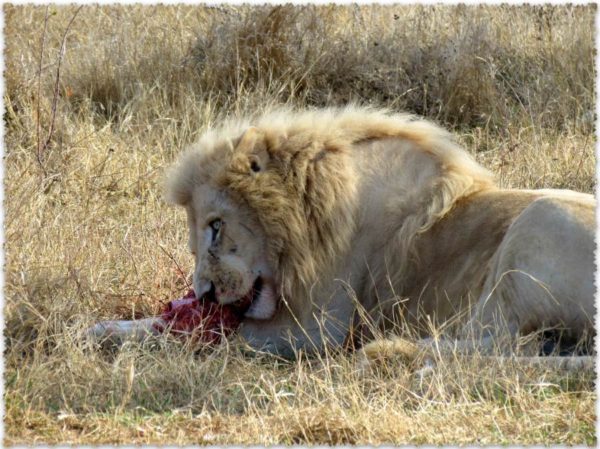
[{"x": 361, "y": 209}]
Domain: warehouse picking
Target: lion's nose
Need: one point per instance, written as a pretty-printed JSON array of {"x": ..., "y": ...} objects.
[{"x": 204, "y": 287}]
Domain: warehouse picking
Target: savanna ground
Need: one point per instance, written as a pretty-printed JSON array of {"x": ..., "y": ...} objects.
[{"x": 89, "y": 130}]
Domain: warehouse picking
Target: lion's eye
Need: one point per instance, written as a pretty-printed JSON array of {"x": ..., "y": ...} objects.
[{"x": 215, "y": 225}]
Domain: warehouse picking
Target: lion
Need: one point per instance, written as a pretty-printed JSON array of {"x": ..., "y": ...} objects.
[{"x": 334, "y": 218}]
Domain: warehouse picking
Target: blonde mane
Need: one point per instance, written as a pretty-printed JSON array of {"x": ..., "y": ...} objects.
[{"x": 306, "y": 200}]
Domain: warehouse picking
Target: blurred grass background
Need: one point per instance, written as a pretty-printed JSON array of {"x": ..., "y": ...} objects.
[{"x": 99, "y": 100}]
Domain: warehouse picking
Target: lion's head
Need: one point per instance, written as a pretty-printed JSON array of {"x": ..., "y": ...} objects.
[
  {"x": 225, "y": 235},
  {"x": 265, "y": 214}
]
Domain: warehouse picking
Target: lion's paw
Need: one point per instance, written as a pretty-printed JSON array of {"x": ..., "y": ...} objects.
[{"x": 384, "y": 351}]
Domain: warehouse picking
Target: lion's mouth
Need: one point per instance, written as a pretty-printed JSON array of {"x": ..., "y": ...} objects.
[
  {"x": 259, "y": 303},
  {"x": 243, "y": 304}
]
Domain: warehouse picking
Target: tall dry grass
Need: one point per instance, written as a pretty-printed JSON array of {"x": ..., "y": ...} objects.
[{"x": 88, "y": 236}]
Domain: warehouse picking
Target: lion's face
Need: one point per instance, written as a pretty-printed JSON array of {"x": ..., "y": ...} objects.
[
  {"x": 228, "y": 245},
  {"x": 266, "y": 216}
]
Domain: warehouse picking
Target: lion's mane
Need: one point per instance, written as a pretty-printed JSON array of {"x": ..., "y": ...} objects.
[{"x": 306, "y": 197}]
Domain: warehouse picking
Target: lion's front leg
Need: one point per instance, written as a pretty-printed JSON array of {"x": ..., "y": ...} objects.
[
  {"x": 286, "y": 334},
  {"x": 281, "y": 339}
]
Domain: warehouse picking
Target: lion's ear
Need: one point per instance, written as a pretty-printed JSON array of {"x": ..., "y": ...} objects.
[
  {"x": 248, "y": 140},
  {"x": 253, "y": 143}
]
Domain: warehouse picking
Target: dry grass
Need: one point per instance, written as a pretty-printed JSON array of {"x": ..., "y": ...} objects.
[{"x": 88, "y": 236}]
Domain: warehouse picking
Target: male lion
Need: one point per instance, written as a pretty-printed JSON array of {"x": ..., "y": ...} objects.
[{"x": 337, "y": 217}]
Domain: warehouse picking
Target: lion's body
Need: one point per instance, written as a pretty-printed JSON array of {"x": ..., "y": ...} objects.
[
  {"x": 367, "y": 216},
  {"x": 528, "y": 255}
]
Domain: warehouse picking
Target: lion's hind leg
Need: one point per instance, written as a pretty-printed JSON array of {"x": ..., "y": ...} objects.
[{"x": 541, "y": 276}]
